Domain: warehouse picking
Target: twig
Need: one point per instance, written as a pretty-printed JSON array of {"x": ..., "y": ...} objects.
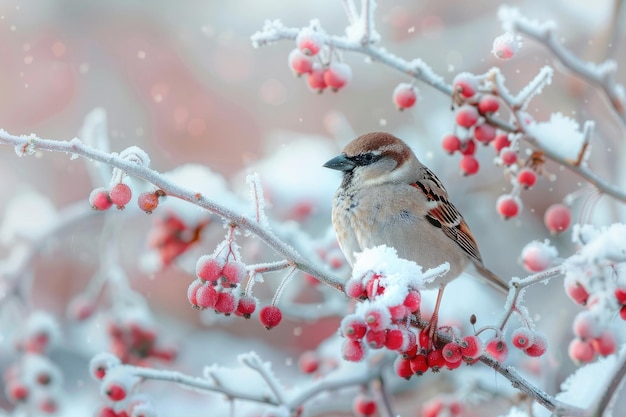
[
  {"x": 606, "y": 395},
  {"x": 252, "y": 361}
]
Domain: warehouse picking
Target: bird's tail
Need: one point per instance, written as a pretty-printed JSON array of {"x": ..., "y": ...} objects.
[{"x": 492, "y": 278}]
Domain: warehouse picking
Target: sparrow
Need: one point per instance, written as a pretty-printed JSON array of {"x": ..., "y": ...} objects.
[{"x": 388, "y": 197}]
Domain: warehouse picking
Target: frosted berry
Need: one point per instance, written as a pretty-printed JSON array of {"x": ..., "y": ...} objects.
[
  {"x": 413, "y": 300},
  {"x": 452, "y": 353},
  {"x": 309, "y": 362},
  {"x": 576, "y": 291},
  {"x": 605, "y": 344},
  {"x": 488, "y": 104},
  {"x": 581, "y": 351},
  {"x": 364, "y": 405},
  {"x": 234, "y": 272},
  {"x": 399, "y": 313},
  {"x": 316, "y": 78},
  {"x": 402, "y": 368},
  {"x": 48, "y": 405},
  {"x": 465, "y": 85},
  {"x": 374, "y": 287},
  {"x": 394, "y": 339},
  {"x": 148, "y": 201},
  {"x": 270, "y": 316},
  {"x": 526, "y": 177},
  {"x": 620, "y": 295},
  {"x": 246, "y": 305},
  {"x": 354, "y": 289},
  {"x": 352, "y": 350},
  {"x": 375, "y": 339},
  {"x": 508, "y": 156},
  {"x": 451, "y": 143},
  {"x": 471, "y": 347},
  {"x": 115, "y": 391},
  {"x": 522, "y": 338},
  {"x": 622, "y": 312},
  {"x": 537, "y": 256},
  {"x": 435, "y": 360},
  {"x": 484, "y": 133},
  {"x": 226, "y": 302},
  {"x": 508, "y": 206},
  {"x": 468, "y": 147},
  {"x": 378, "y": 318},
  {"x": 206, "y": 296},
  {"x": 557, "y": 218},
  {"x": 99, "y": 199},
  {"x": 497, "y": 349},
  {"x": 17, "y": 391},
  {"x": 299, "y": 62},
  {"x": 309, "y": 42},
  {"x": 505, "y": 46},
  {"x": 419, "y": 364},
  {"x": 586, "y": 325},
  {"x": 192, "y": 292},
  {"x": 539, "y": 345},
  {"x": 469, "y": 165},
  {"x": 337, "y": 75},
  {"x": 209, "y": 268},
  {"x": 500, "y": 142},
  {"x": 353, "y": 327},
  {"x": 404, "y": 96},
  {"x": 101, "y": 363},
  {"x": 120, "y": 195},
  {"x": 466, "y": 116}
]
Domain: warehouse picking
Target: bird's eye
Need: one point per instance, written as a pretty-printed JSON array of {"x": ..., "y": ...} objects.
[{"x": 367, "y": 158}]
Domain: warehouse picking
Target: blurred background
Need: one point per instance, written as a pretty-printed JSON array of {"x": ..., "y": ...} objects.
[{"x": 182, "y": 81}]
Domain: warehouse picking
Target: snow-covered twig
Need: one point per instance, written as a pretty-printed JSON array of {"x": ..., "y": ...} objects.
[
  {"x": 254, "y": 362},
  {"x": 607, "y": 394},
  {"x": 27, "y": 145}
]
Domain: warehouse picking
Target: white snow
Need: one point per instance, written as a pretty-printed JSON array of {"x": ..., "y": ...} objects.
[{"x": 561, "y": 136}]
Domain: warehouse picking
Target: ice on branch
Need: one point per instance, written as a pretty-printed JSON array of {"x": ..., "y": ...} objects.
[
  {"x": 27, "y": 148},
  {"x": 606, "y": 244},
  {"x": 511, "y": 17},
  {"x": 230, "y": 379},
  {"x": 256, "y": 191},
  {"x": 273, "y": 30},
  {"x": 560, "y": 136}
]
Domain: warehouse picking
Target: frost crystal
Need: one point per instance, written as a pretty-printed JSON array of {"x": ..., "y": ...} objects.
[
  {"x": 561, "y": 136},
  {"x": 27, "y": 148}
]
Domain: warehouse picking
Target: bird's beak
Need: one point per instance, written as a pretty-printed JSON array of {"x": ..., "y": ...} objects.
[{"x": 340, "y": 163}]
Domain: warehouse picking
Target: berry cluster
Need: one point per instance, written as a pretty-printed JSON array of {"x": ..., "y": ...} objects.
[
  {"x": 117, "y": 385},
  {"x": 171, "y": 237},
  {"x": 135, "y": 342},
  {"x": 313, "y": 59},
  {"x": 34, "y": 381},
  {"x": 120, "y": 194},
  {"x": 442, "y": 405},
  {"x": 218, "y": 286}
]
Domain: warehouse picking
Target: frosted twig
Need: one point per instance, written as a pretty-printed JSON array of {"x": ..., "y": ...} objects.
[
  {"x": 602, "y": 75},
  {"x": 385, "y": 398},
  {"x": 172, "y": 189},
  {"x": 269, "y": 267},
  {"x": 254, "y": 182},
  {"x": 252, "y": 361},
  {"x": 613, "y": 385},
  {"x": 350, "y": 10},
  {"x": 367, "y": 16},
  {"x": 533, "y": 88},
  {"x": 588, "y": 128}
]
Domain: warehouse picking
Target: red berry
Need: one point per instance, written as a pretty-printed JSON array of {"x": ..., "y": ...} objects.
[
  {"x": 364, "y": 405},
  {"x": 500, "y": 142},
  {"x": 226, "y": 302},
  {"x": 399, "y": 313},
  {"x": 99, "y": 199},
  {"x": 192, "y": 292},
  {"x": 120, "y": 195},
  {"x": 453, "y": 365},
  {"x": 353, "y": 327},
  {"x": 270, "y": 316},
  {"x": 309, "y": 362},
  {"x": 526, "y": 177},
  {"x": 316, "y": 78},
  {"x": 106, "y": 411},
  {"x": 413, "y": 300},
  {"x": 402, "y": 367},
  {"x": 522, "y": 338},
  {"x": 581, "y": 351},
  {"x": 299, "y": 62},
  {"x": 620, "y": 295},
  {"x": 469, "y": 165},
  {"x": 419, "y": 364},
  {"x": 148, "y": 201},
  {"x": 352, "y": 350},
  {"x": 115, "y": 392},
  {"x": 557, "y": 218},
  {"x": 209, "y": 268},
  {"x": 508, "y": 206},
  {"x": 468, "y": 147},
  {"x": 451, "y": 143},
  {"x": 537, "y": 256},
  {"x": 488, "y": 104},
  {"x": 505, "y": 46},
  {"x": 206, "y": 296},
  {"x": 374, "y": 287},
  {"x": 539, "y": 346},
  {"x": 404, "y": 96},
  {"x": 435, "y": 360},
  {"x": 508, "y": 156},
  {"x": 434, "y": 408},
  {"x": 378, "y": 318},
  {"x": 605, "y": 344},
  {"x": 337, "y": 75},
  {"x": 622, "y": 312},
  {"x": 452, "y": 353},
  {"x": 16, "y": 391},
  {"x": 576, "y": 291},
  {"x": 466, "y": 116},
  {"x": 234, "y": 272},
  {"x": 246, "y": 305},
  {"x": 498, "y": 349},
  {"x": 375, "y": 339},
  {"x": 465, "y": 85},
  {"x": 394, "y": 339},
  {"x": 309, "y": 42},
  {"x": 484, "y": 133},
  {"x": 586, "y": 325},
  {"x": 471, "y": 347},
  {"x": 354, "y": 288}
]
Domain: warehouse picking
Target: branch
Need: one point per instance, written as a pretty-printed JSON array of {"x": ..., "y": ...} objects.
[
  {"x": 607, "y": 394},
  {"x": 28, "y": 144}
]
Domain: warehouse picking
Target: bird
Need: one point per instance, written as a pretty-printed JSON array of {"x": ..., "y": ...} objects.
[{"x": 388, "y": 197}]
